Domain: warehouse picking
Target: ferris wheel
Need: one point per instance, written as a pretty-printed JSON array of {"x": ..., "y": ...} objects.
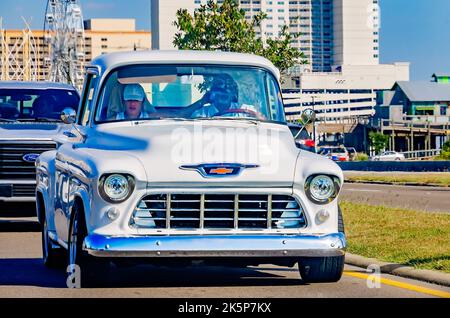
[{"x": 64, "y": 36}]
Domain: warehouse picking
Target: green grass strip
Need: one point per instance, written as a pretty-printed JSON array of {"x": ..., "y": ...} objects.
[{"x": 413, "y": 238}]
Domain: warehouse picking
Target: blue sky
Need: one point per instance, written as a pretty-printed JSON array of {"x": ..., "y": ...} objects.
[{"x": 417, "y": 31}]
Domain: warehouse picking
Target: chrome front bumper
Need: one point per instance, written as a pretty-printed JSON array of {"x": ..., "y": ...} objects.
[{"x": 216, "y": 245}]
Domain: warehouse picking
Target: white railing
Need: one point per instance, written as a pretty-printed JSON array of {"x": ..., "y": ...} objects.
[
  {"x": 438, "y": 119},
  {"x": 421, "y": 154}
]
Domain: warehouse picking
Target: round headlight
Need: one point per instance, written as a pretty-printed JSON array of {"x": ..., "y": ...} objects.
[
  {"x": 322, "y": 188},
  {"x": 116, "y": 187}
]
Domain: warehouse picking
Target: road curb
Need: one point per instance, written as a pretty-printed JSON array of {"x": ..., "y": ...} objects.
[
  {"x": 398, "y": 183},
  {"x": 400, "y": 270}
]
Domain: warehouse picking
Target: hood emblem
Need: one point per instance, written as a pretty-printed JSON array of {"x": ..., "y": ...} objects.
[
  {"x": 30, "y": 157},
  {"x": 218, "y": 170}
]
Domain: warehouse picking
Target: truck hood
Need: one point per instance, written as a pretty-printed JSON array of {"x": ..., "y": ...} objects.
[
  {"x": 184, "y": 153},
  {"x": 30, "y": 131}
]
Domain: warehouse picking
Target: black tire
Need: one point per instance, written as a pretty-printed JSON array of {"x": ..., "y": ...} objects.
[
  {"x": 53, "y": 257},
  {"x": 341, "y": 228},
  {"x": 93, "y": 271},
  {"x": 321, "y": 269}
]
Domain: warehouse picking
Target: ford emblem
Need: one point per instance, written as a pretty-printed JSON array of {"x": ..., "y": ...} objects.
[{"x": 30, "y": 157}]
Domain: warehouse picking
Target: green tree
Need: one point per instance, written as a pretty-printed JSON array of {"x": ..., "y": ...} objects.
[
  {"x": 378, "y": 141},
  {"x": 445, "y": 153},
  {"x": 224, "y": 27}
]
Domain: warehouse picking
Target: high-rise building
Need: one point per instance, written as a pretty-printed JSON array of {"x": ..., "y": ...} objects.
[
  {"x": 356, "y": 36},
  {"x": 331, "y": 32},
  {"x": 313, "y": 20},
  {"x": 163, "y": 16}
]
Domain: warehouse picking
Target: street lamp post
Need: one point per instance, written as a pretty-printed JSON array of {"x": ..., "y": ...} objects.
[{"x": 313, "y": 98}]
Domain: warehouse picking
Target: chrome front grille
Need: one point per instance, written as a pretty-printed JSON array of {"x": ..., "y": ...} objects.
[
  {"x": 23, "y": 190},
  {"x": 218, "y": 211},
  {"x": 12, "y": 164}
]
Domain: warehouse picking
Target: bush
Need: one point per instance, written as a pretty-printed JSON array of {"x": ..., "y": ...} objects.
[
  {"x": 445, "y": 155},
  {"x": 361, "y": 157},
  {"x": 446, "y": 146}
]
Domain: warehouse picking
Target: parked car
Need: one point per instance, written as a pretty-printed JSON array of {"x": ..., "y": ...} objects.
[
  {"x": 335, "y": 153},
  {"x": 302, "y": 137},
  {"x": 352, "y": 153},
  {"x": 140, "y": 180},
  {"x": 389, "y": 156},
  {"x": 29, "y": 121}
]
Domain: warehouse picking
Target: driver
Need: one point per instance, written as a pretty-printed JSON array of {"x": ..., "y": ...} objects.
[
  {"x": 222, "y": 100},
  {"x": 133, "y": 99},
  {"x": 42, "y": 107}
]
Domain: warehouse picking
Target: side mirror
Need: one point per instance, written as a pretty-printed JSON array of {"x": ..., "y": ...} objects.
[
  {"x": 68, "y": 115},
  {"x": 308, "y": 116}
]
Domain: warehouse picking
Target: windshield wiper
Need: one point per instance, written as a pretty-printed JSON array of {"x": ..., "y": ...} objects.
[
  {"x": 162, "y": 118},
  {"x": 40, "y": 119},
  {"x": 250, "y": 120}
]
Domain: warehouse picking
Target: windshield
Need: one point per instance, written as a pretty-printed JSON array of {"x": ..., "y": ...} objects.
[
  {"x": 142, "y": 92},
  {"x": 30, "y": 104}
]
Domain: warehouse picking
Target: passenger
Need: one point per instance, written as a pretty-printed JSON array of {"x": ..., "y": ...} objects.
[{"x": 133, "y": 98}]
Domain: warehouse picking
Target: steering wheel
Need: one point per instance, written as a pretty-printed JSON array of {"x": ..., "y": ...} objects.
[{"x": 241, "y": 111}]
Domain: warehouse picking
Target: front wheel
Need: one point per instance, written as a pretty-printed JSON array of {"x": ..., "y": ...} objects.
[
  {"x": 321, "y": 269},
  {"x": 84, "y": 270}
]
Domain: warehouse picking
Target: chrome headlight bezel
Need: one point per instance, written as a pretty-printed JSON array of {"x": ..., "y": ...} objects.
[
  {"x": 103, "y": 193},
  {"x": 334, "y": 180}
]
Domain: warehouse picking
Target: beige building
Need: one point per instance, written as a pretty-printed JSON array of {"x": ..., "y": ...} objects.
[
  {"x": 24, "y": 54},
  {"x": 113, "y": 35}
]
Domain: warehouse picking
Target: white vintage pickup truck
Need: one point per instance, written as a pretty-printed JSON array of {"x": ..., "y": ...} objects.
[{"x": 180, "y": 156}]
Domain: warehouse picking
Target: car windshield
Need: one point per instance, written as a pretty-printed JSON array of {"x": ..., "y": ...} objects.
[
  {"x": 188, "y": 92},
  {"x": 36, "y": 104}
]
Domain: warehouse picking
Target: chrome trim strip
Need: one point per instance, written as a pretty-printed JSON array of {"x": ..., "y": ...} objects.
[
  {"x": 196, "y": 186},
  {"x": 216, "y": 246},
  {"x": 202, "y": 211},
  {"x": 269, "y": 211},
  {"x": 168, "y": 208},
  {"x": 22, "y": 182},
  {"x": 236, "y": 211},
  {"x": 18, "y": 199},
  {"x": 28, "y": 140}
]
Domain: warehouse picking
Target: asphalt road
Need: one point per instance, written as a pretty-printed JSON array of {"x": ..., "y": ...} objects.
[
  {"x": 22, "y": 274},
  {"x": 431, "y": 199}
]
